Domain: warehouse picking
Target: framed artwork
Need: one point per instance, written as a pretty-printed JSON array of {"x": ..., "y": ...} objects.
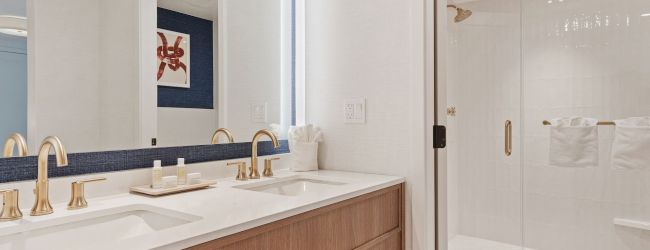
[{"x": 173, "y": 52}]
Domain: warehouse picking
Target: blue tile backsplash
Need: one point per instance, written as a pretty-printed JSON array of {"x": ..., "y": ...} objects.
[{"x": 25, "y": 168}]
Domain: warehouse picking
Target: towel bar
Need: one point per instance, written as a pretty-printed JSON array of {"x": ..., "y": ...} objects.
[{"x": 601, "y": 123}]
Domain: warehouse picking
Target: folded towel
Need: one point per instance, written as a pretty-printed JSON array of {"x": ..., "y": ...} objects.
[
  {"x": 631, "y": 147},
  {"x": 304, "y": 156},
  {"x": 303, "y": 145},
  {"x": 574, "y": 142}
]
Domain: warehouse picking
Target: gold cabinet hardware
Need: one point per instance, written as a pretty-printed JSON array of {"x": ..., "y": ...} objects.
[
  {"x": 508, "y": 138},
  {"x": 268, "y": 171},
  {"x": 10, "y": 209},
  {"x": 17, "y": 140},
  {"x": 226, "y": 132},
  {"x": 255, "y": 173},
  {"x": 241, "y": 170},
  {"x": 78, "y": 197},
  {"x": 42, "y": 204}
]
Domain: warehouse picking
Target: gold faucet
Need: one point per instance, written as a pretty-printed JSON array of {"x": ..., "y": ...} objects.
[
  {"x": 17, "y": 140},
  {"x": 42, "y": 204},
  {"x": 255, "y": 173},
  {"x": 225, "y": 131}
]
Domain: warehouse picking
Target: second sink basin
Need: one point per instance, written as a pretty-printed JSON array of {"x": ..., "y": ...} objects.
[
  {"x": 291, "y": 186},
  {"x": 98, "y": 227}
]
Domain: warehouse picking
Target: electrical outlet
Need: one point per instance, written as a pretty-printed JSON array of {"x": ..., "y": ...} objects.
[
  {"x": 258, "y": 113},
  {"x": 354, "y": 110}
]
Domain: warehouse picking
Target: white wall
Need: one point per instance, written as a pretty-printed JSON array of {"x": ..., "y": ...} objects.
[
  {"x": 84, "y": 88},
  {"x": 185, "y": 127},
  {"x": 372, "y": 49},
  {"x": 118, "y": 75},
  {"x": 252, "y": 52},
  {"x": 72, "y": 87}
]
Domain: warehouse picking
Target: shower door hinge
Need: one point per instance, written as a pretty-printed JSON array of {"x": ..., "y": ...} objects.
[{"x": 439, "y": 136}]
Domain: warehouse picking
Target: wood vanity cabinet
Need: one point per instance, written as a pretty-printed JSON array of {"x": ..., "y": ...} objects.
[{"x": 372, "y": 221}]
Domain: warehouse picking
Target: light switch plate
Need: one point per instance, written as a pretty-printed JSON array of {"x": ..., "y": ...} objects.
[
  {"x": 258, "y": 113},
  {"x": 354, "y": 110}
]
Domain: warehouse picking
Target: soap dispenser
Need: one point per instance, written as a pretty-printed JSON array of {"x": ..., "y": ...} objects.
[
  {"x": 156, "y": 175},
  {"x": 181, "y": 172}
]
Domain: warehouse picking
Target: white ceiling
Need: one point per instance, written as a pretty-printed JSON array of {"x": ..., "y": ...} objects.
[{"x": 206, "y": 9}]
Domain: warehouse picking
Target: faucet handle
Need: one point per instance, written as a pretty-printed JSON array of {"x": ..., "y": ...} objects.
[
  {"x": 241, "y": 173},
  {"x": 78, "y": 198},
  {"x": 268, "y": 172},
  {"x": 10, "y": 209}
]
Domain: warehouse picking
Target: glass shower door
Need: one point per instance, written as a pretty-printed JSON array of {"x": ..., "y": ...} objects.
[{"x": 483, "y": 83}]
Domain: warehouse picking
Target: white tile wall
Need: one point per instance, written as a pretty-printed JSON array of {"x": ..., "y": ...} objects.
[
  {"x": 585, "y": 58},
  {"x": 579, "y": 57}
]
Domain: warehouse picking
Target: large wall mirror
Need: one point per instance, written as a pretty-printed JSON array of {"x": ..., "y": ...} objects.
[{"x": 123, "y": 74}]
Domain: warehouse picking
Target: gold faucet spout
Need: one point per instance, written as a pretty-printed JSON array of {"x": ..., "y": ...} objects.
[
  {"x": 17, "y": 140},
  {"x": 42, "y": 204},
  {"x": 225, "y": 131},
  {"x": 255, "y": 174}
]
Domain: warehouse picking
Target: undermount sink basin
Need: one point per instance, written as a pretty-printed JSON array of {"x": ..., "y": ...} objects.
[
  {"x": 292, "y": 186},
  {"x": 84, "y": 231}
]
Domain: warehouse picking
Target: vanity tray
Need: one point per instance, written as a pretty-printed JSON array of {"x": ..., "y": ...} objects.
[{"x": 146, "y": 189}]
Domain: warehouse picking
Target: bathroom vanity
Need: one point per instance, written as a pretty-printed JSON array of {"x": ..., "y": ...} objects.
[
  {"x": 120, "y": 96},
  {"x": 311, "y": 210},
  {"x": 371, "y": 221}
]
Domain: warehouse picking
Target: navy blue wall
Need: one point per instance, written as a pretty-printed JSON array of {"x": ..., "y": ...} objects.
[{"x": 200, "y": 95}]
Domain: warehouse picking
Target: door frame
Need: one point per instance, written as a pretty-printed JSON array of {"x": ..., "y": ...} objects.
[{"x": 436, "y": 115}]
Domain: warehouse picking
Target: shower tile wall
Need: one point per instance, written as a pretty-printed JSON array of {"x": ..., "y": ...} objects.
[
  {"x": 583, "y": 58},
  {"x": 484, "y": 86}
]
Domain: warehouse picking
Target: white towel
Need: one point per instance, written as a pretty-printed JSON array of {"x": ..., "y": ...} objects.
[
  {"x": 574, "y": 142},
  {"x": 631, "y": 148},
  {"x": 303, "y": 145}
]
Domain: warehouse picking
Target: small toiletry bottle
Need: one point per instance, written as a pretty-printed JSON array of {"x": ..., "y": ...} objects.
[
  {"x": 181, "y": 172},
  {"x": 156, "y": 175}
]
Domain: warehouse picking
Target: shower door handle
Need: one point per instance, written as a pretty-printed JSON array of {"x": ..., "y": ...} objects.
[{"x": 508, "y": 138}]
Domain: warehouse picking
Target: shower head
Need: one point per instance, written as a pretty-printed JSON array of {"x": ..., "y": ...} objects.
[{"x": 461, "y": 14}]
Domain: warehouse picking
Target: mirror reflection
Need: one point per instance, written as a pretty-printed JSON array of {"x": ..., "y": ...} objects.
[{"x": 123, "y": 74}]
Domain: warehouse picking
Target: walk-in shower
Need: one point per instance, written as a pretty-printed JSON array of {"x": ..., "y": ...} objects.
[{"x": 507, "y": 73}]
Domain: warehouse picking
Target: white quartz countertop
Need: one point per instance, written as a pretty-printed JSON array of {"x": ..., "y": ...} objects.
[{"x": 220, "y": 210}]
